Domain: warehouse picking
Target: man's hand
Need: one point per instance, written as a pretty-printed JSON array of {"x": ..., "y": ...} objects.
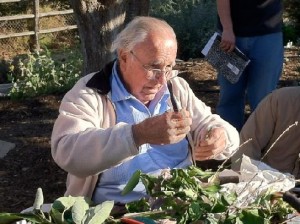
[
  {"x": 228, "y": 41},
  {"x": 168, "y": 128},
  {"x": 212, "y": 144}
]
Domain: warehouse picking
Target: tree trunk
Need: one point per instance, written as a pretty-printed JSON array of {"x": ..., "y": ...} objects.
[
  {"x": 135, "y": 8},
  {"x": 98, "y": 24}
]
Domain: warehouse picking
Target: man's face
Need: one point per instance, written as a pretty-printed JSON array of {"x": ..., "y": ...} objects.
[{"x": 136, "y": 66}]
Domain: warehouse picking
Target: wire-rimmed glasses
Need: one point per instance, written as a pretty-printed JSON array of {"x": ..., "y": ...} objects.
[{"x": 156, "y": 73}]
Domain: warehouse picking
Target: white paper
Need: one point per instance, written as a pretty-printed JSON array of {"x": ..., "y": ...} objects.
[
  {"x": 209, "y": 44},
  {"x": 257, "y": 178}
]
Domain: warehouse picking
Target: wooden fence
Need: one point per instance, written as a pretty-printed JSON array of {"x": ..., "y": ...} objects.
[{"x": 36, "y": 16}]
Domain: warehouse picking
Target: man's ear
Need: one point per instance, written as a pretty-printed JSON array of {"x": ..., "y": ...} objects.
[{"x": 122, "y": 55}]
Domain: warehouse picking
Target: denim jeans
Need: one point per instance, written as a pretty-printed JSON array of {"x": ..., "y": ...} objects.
[{"x": 258, "y": 80}]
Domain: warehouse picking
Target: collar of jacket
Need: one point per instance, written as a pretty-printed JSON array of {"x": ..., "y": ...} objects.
[{"x": 100, "y": 81}]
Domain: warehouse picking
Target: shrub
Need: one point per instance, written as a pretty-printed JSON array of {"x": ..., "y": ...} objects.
[
  {"x": 193, "y": 21},
  {"x": 41, "y": 73}
]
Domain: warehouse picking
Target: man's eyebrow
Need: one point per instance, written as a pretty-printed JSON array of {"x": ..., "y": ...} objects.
[{"x": 156, "y": 63}]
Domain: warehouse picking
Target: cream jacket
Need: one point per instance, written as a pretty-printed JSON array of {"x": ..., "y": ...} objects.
[
  {"x": 86, "y": 139},
  {"x": 270, "y": 124}
]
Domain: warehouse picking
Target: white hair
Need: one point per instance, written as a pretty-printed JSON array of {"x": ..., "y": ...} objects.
[{"x": 137, "y": 30}]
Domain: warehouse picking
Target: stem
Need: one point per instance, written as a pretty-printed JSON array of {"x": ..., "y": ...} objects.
[{"x": 279, "y": 137}]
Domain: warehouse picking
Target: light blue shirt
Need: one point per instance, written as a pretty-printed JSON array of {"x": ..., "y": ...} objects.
[{"x": 151, "y": 158}]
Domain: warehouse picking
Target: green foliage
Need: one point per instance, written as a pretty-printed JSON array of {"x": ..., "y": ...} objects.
[
  {"x": 13, "y": 8},
  {"x": 193, "y": 22},
  {"x": 182, "y": 194},
  {"x": 292, "y": 17},
  {"x": 64, "y": 210},
  {"x": 42, "y": 73},
  {"x": 185, "y": 195},
  {"x": 290, "y": 33},
  {"x": 23, "y": 7},
  {"x": 134, "y": 180},
  {"x": 39, "y": 199}
]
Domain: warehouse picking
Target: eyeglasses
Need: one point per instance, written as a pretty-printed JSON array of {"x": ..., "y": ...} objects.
[{"x": 155, "y": 73}]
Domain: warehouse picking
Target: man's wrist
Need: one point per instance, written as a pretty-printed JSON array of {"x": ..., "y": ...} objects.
[{"x": 137, "y": 134}]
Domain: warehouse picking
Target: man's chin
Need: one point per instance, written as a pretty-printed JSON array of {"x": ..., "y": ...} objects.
[{"x": 148, "y": 98}]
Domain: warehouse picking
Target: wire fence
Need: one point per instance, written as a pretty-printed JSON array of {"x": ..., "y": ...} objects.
[{"x": 35, "y": 28}]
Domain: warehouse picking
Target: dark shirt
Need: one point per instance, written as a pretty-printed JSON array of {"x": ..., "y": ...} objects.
[{"x": 255, "y": 17}]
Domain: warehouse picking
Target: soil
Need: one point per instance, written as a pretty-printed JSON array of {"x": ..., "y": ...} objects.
[{"x": 28, "y": 124}]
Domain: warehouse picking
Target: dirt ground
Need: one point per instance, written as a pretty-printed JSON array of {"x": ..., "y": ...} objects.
[{"x": 28, "y": 124}]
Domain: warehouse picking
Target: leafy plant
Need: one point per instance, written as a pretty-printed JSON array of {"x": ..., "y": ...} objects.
[
  {"x": 187, "y": 196},
  {"x": 193, "y": 22},
  {"x": 64, "y": 210},
  {"x": 40, "y": 74}
]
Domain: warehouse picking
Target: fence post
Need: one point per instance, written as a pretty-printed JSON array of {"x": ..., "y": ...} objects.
[{"x": 36, "y": 25}]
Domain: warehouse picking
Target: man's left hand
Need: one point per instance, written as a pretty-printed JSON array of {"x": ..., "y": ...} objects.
[{"x": 212, "y": 144}]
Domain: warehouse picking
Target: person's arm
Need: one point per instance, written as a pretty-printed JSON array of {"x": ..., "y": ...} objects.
[
  {"x": 85, "y": 138},
  {"x": 220, "y": 138},
  {"x": 228, "y": 36},
  {"x": 257, "y": 131}
]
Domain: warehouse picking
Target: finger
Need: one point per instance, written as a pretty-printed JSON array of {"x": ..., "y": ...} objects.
[
  {"x": 231, "y": 47},
  {"x": 183, "y": 123},
  {"x": 179, "y": 116},
  {"x": 183, "y": 130},
  {"x": 209, "y": 146},
  {"x": 212, "y": 142},
  {"x": 210, "y": 150},
  {"x": 201, "y": 154},
  {"x": 175, "y": 138},
  {"x": 227, "y": 46}
]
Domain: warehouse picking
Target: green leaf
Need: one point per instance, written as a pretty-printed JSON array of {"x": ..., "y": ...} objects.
[
  {"x": 39, "y": 199},
  {"x": 60, "y": 207},
  {"x": 57, "y": 216},
  {"x": 63, "y": 203},
  {"x": 212, "y": 189},
  {"x": 133, "y": 181},
  {"x": 195, "y": 211},
  {"x": 150, "y": 183},
  {"x": 229, "y": 198},
  {"x": 138, "y": 206},
  {"x": 98, "y": 214},
  {"x": 79, "y": 210},
  {"x": 252, "y": 216},
  {"x": 187, "y": 193},
  {"x": 8, "y": 218},
  {"x": 195, "y": 171}
]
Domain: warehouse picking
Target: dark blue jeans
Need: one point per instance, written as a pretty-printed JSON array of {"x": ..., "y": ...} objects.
[{"x": 259, "y": 78}]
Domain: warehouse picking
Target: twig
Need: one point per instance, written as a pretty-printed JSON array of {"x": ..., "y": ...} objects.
[
  {"x": 225, "y": 161},
  {"x": 279, "y": 137}
]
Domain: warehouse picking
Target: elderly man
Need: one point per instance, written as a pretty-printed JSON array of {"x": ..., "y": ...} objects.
[{"x": 125, "y": 118}]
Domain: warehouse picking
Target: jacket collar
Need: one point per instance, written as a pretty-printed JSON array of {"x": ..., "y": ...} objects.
[{"x": 100, "y": 81}]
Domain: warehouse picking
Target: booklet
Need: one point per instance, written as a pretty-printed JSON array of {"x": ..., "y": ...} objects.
[{"x": 229, "y": 64}]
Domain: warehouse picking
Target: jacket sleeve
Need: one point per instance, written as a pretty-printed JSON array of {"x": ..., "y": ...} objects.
[
  {"x": 257, "y": 131},
  {"x": 85, "y": 140},
  {"x": 203, "y": 119}
]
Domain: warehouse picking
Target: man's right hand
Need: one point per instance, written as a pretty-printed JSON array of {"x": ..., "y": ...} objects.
[
  {"x": 168, "y": 128},
  {"x": 228, "y": 41}
]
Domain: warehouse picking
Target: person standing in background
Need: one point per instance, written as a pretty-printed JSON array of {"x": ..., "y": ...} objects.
[{"x": 255, "y": 27}]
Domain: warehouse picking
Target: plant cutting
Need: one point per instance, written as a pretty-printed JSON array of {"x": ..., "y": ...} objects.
[
  {"x": 64, "y": 210},
  {"x": 180, "y": 195},
  {"x": 189, "y": 196}
]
